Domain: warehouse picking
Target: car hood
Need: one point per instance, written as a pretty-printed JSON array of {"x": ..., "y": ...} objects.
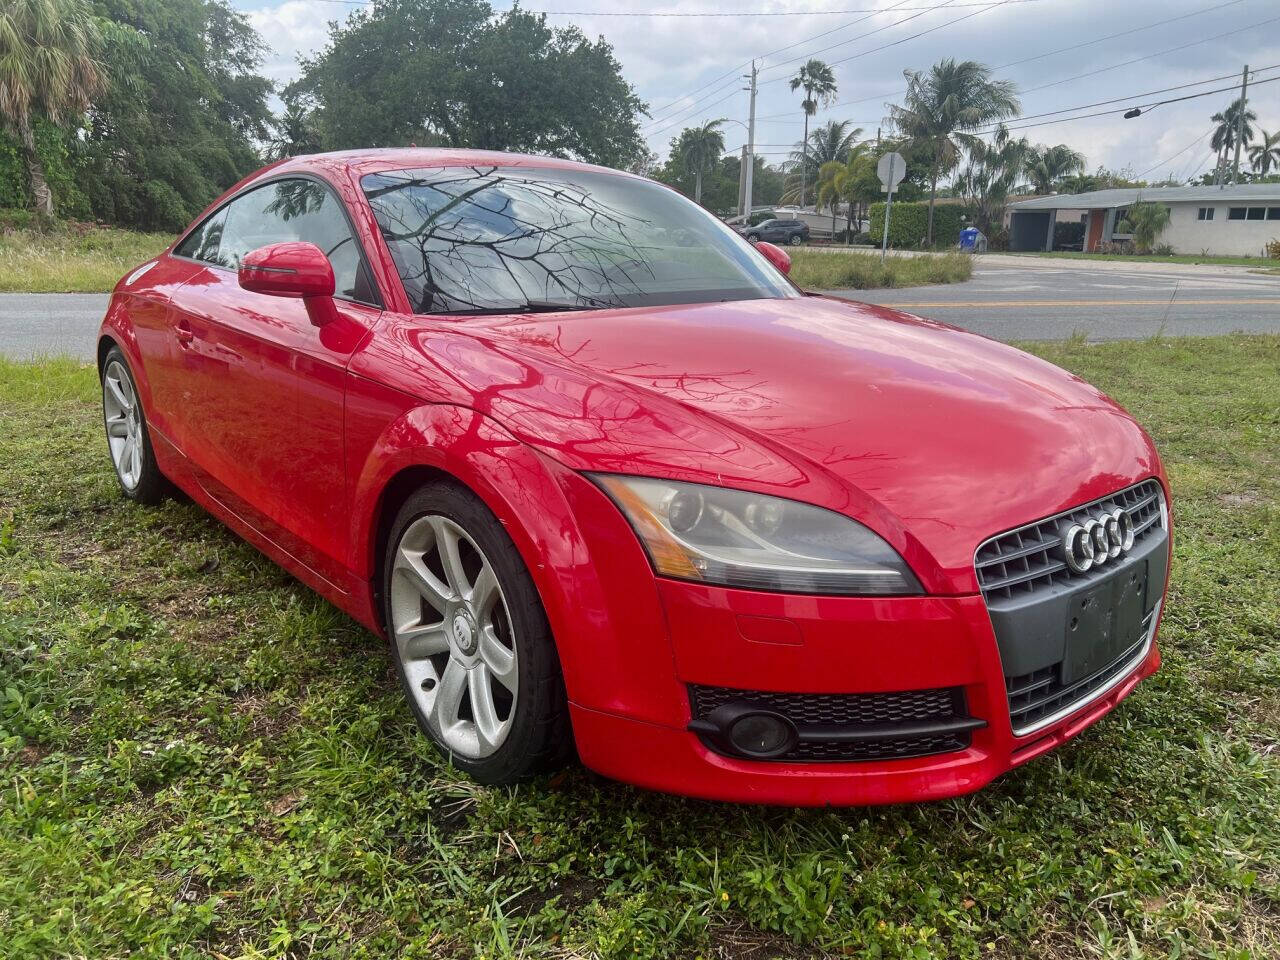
[{"x": 936, "y": 437}]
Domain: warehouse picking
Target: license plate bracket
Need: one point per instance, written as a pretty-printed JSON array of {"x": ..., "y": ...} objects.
[{"x": 1105, "y": 620}]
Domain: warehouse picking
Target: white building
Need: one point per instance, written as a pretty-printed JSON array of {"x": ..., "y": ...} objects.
[{"x": 1236, "y": 221}]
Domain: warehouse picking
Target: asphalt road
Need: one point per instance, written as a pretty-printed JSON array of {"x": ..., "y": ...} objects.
[
  {"x": 1022, "y": 298},
  {"x": 37, "y": 324},
  {"x": 1009, "y": 298}
]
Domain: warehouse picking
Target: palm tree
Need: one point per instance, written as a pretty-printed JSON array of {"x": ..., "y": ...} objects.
[
  {"x": 943, "y": 106},
  {"x": 819, "y": 85},
  {"x": 991, "y": 174},
  {"x": 1224, "y": 134},
  {"x": 47, "y": 67},
  {"x": 1145, "y": 220},
  {"x": 1046, "y": 166},
  {"x": 838, "y": 180},
  {"x": 1266, "y": 154},
  {"x": 830, "y": 143},
  {"x": 700, "y": 149}
]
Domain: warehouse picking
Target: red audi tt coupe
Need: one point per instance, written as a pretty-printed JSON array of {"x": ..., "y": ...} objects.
[{"x": 610, "y": 483}]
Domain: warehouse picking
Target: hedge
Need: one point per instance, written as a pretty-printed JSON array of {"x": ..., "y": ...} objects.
[{"x": 909, "y": 223}]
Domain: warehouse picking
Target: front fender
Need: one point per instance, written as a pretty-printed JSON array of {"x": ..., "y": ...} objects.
[{"x": 594, "y": 580}]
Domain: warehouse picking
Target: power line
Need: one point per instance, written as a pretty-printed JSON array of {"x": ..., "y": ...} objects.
[
  {"x": 1157, "y": 166},
  {"x": 913, "y": 36},
  {"x": 654, "y": 133},
  {"x": 1130, "y": 98},
  {"x": 862, "y": 36},
  {"x": 771, "y": 53},
  {"x": 1051, "y": 53},
  {"x": 1161, "y": 53},
  {"x": 1145, "y": 108}
]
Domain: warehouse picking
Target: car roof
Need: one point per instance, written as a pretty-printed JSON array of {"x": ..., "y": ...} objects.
[{"x": 386, "y": 159}]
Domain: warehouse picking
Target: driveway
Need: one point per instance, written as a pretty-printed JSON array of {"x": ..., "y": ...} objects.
[
  {"x": 1025, "y": 298},
  {"x": 1009, "y": 298}
]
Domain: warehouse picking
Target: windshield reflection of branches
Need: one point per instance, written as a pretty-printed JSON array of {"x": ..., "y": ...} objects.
[
  {"x": 485, "y": 240},
  {"x": 294, "y": 198}
]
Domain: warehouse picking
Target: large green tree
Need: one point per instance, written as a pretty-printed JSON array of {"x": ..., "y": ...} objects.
[
  {"x": 991, "y": 173},
  {"x": 1226, "y": 125},
  {"x": 182, "y": 112},
  {"x": 833, "y": 142},
  {"x": 1265, "y": 155},
  {"x": 818, "y": 81},
  {"x": 699, "y": 149},
  {"x": 454, "y": 72},
  {"x": 1046, "y": 167},
  {"x": 942, "y": 108},
  {"x": 721, "y": 183},
  {"x": 48, "y": 68}
]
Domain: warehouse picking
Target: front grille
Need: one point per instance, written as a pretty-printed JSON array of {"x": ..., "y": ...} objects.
[
  {"x": 1025, "y": 560},
  {"x": 881, "y": 721},
  {"x": 1042, "y": 693}
]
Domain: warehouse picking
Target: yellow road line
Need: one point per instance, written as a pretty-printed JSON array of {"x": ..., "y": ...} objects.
[{"x": 1163, "y": 302}]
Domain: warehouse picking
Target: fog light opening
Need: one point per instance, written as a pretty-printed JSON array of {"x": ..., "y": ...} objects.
[{"x": 762, "y": 734}]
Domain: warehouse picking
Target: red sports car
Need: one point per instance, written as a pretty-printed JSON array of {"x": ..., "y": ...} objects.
[{"x": 610, "y": 483}]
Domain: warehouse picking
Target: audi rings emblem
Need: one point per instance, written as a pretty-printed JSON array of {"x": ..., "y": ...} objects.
[{"x": 1108, "y": 536}]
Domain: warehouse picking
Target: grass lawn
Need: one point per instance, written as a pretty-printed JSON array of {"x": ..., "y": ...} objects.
[
  {"x": 1263, "y": 262},
  {"x": 72, "y": 258},
  {"x": 199, "y": 757},
  {"x": 830, "y": 270}
]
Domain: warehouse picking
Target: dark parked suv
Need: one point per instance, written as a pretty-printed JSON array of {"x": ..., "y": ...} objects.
[{"x": 793, "y": 232}]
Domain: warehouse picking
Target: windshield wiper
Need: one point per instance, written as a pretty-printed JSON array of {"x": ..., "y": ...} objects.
[{"x": 529, "y": 306}]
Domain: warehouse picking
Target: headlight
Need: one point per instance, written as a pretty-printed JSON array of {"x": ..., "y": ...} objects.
[{"x": 737, "y": 539}]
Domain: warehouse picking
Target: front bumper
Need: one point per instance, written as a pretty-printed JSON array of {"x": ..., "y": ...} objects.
[{"x": 755, "y": 641}]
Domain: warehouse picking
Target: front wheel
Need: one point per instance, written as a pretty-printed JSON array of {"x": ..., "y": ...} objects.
[
  {"x": 471, "y": 640},
  {"x": 127, "y": 439},
  {"x": 753, "y": 238}
]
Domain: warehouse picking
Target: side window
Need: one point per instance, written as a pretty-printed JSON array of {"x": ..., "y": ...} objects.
[
  {"x": 297, "y": 210},
  {"x": 203, "y": 242}
]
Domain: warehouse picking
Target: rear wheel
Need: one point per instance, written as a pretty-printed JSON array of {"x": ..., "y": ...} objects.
[
  {"x": 796, "y": 239},
  {"x": 470, "y": 639},
  {"x": 127, "y": 438}
]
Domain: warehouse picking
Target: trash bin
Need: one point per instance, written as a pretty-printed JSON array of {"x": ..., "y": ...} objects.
[{"x": 972, "y": 240}]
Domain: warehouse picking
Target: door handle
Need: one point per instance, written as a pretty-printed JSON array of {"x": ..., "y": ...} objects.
[{"x": 185, "y": 335}]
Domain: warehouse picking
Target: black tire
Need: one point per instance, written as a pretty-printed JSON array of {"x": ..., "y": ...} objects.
[
  {"x": 753, "y": 238},
  {"x": 795, "y": 239},
  {"x": 540, "y": 738},
  {"x": 151, "y": 486}
]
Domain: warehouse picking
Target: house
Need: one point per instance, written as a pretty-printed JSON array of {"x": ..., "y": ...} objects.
[{"x": 1235, "y": 221}]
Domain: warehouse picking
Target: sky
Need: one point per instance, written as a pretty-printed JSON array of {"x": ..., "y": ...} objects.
[{"x": 687, "y": 67}]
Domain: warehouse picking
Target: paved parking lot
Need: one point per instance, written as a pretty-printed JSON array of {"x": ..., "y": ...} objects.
[{"x": 1009, "y": 298}]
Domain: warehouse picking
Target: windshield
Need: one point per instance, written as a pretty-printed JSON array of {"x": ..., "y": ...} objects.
[{"x": 510, "y": 239}]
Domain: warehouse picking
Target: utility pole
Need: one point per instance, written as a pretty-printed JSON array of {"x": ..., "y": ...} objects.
[
  {"x": 1244, "y": 89},
  {"x": 749, "y": 161},
  {"x": 742, "y": 183}
]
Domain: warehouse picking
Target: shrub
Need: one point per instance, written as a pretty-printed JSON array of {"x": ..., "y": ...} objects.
[
  {"x": 1068, "y": 235},
  {"x": 1273, "y": 249},
  {"x": 1162, "y": 250},
  {"x": 909, "y": 223}
]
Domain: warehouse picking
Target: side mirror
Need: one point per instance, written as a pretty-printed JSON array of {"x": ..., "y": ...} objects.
[
  {"x": 294, "y": 269},
  {"x": 775, "y": 255}
]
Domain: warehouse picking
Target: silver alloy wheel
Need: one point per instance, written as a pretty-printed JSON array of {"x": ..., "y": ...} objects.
[
  {"x": 453, "y": 632},
  {"x": 123, "y": 416}
]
